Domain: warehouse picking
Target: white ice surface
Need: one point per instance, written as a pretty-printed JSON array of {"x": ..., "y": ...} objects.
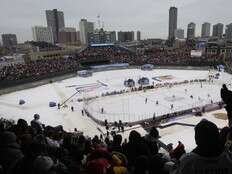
[{"x": 128, "y": 107}]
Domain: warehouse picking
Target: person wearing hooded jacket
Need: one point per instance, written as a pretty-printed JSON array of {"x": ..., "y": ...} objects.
[
  {"x": 135, "y": 147},
  {"x": 36, "y": 124},
  {"x": 209, "y": 156},
  {"x": 226, "y": 96},
  {"x": 10, "y": 150}
]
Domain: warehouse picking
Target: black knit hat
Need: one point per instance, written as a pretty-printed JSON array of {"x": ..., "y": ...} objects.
[{"x": 207, "y": 134}]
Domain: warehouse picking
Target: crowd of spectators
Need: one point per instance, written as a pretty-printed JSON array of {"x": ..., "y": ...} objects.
[
  {"x": 114, "y": 54},
  {"x": 38, "y": 68},
  {"x": 178, "y": 57},
  {"x": 40, "y": 149},
  {"x": 106, "y": 51}
]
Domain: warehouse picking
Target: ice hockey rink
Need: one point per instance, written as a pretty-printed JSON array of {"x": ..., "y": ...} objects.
[{"x": 128, "y": 107}]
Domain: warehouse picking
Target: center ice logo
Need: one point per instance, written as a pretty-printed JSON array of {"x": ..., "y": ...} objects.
[
  {"x": 162, "y": 78},
  {"x": 89, "y": 87}
]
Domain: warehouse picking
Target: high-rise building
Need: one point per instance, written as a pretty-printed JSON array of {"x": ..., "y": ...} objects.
[
  {"x": 229, "y": 32},
  {"x": 218, "y": 30},
  {"x": 43, "y": 34},
  {"x": 78, "y": 37},
  {"x": 172, "y": 22},
  {"x": 112, "y": 35},
  {"x": 101, "y": 36},
  {"x": 55, "y": 20},
  {"x": 205, "y": 30},
  {"x": 68, "y": 35},
  {"x": 125, "y": 36},
  {"x": 85, "y": 28},
  {"x": 179, "y": 33},
  {"x": 9, "y": 40},
  {"x": 191, "y": 30},
  {"x": 138, "y": 35}
]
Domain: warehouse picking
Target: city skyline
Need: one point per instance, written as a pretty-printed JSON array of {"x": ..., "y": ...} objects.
[{"x": 151, "y": 18}]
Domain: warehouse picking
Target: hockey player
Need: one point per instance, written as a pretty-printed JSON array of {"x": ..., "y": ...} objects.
[
  {"x": 172, "y": 106},
  {"x": 185, "y": 90},
  {"x": 102, "y": 110},
  {"x": 146, "y": 101},
  {"x": 154, "y": 116}
]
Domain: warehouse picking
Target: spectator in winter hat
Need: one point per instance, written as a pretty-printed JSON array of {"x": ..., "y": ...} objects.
[
  {"x": 151, "y": 140},
  {"x": 21, "y": 128},
  {"x": 9, "y": 150},
  {"x": 226, "y": 96},
  {"x": 209, "y": 156},
  {"x": 135, "y": 147},
  {"x": 36, "y": 124},
  {"x": 42, "y": 164},
  {"x": 116, "y": 144},
  {"x": 154, "y": 133},
  {"x": 207, "y": 139}
]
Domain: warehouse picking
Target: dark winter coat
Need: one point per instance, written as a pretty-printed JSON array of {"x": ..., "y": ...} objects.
[
  {"x": 134, "y": 149},
  {"x": 9, "y": 150}
]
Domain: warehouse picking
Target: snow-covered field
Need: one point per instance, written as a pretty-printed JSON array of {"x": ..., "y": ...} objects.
[{"x": 127, "y": 107}]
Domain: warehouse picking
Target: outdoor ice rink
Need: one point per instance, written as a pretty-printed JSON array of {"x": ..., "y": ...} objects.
[{"x": 127, "y": 107}]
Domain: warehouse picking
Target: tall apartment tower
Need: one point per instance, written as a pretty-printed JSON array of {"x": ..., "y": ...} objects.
[
  {"x": 9, "y": 40},
  {"x": 138, "y": 35},
  {"x": 191, "y": 30},
  {"x": 68, "y": 36},
  {"x": 41, "y": 33},
  {"x": 205, "y": 30},
  {"x": 85, "y": 29},
  {"x": 218, "y": 30},
  {"x": 55, "y": 20},
  {"x": 172, "y": 22},
  {"x": 229, "y": 32},
  {"x": 179, "y": 33},
  {"x": 125, "y": 36}
]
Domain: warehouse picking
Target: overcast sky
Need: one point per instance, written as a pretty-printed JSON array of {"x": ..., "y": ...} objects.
[{"x": 148, "y": 16}]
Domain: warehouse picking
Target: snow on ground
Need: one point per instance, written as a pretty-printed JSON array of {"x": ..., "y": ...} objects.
[{"x": 128, "y": 107}]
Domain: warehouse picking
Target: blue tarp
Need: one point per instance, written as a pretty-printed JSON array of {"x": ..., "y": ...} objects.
[
  {"x": 147, "y": 67},
  {"x": 52, "y": 104},
  {"x": 221, "y": 66}
]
